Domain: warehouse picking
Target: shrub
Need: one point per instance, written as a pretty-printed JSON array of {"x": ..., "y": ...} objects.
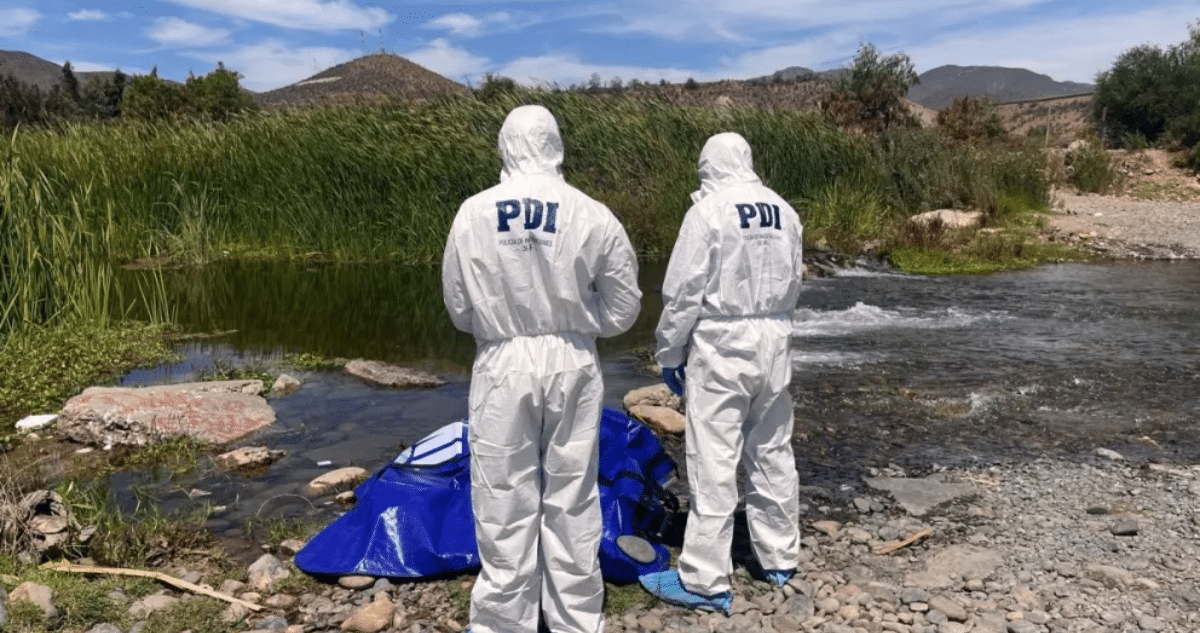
[
  {"x": 1152, "y": 92},
  {"x": 870, "y": 95},
  {"x": 842, "y": 216},
  {"x": 970, "y": 118},
  {"x": 1091, "y": 168}
]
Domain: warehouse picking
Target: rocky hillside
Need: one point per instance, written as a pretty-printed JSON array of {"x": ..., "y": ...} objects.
[
  {"x": 938, "y": 87},
  {"x": 36, "y": 71},
  {"x": 1058, "y": 120},
  {"x": 380, "y": 75}
]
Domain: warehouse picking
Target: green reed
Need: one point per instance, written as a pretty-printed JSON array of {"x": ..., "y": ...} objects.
[{"x": 382, "y": 181}]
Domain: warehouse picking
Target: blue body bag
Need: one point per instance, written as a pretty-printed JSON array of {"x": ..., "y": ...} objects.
[{"x": 413, "y": 518}]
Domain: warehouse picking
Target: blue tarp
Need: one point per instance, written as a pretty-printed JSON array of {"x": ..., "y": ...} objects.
[{"x": 413, "y": 518}]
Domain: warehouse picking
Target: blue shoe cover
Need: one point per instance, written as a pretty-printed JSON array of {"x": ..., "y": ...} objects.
[
  {"x": 666, "y": 586},
  {"x": 779, "y": 576}
]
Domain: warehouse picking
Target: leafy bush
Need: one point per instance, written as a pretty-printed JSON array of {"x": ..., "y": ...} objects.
[
  {"x": 1153, "y": 92},
  {"x": 970, "y": 118},
  {"x": 870, "y": 95},
  {"x": 1091, "y": 168}
]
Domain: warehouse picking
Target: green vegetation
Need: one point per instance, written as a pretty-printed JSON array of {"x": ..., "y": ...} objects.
[
  {"x": 382, "y": 182},
  {"x": 1092, "y": 169},
  {"x": 969, "y": 118},
  {"x": 869, "y": 96},
  {"x": 1150, "y": 95},
  {"x": 43, "y": 365},
  {"x": 217, "y": 95}
]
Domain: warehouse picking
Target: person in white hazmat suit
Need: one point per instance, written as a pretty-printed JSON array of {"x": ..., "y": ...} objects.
[
  {"x": 731, "y": 288},
  {"x": 536, "y": 270}
]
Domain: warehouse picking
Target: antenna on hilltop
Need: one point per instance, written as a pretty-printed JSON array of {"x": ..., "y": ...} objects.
[{"x": 362, "y": 41}]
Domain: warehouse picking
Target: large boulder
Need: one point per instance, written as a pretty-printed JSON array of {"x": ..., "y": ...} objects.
[
  {"x": 388, "y": 375},
  {"x": 218, "y": 412}
]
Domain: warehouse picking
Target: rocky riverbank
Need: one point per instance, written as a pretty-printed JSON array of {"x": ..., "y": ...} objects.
[
  {"x": 1153, "y": 212},
  {"x": 1070, "y": 543}
]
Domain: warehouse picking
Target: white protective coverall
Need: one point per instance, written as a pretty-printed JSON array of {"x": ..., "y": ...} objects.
[
  {"x": 536, "y": 270},
  {"x": 730, "y": 290}
]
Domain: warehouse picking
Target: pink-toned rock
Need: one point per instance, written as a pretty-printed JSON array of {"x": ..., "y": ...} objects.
[{"x": 218, "y": 412}]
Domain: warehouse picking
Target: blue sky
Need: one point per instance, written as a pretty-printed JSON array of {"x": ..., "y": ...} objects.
[{"x": 273, "y": 43}]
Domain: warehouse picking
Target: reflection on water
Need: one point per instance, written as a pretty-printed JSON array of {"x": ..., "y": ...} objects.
[{"x": 380, "y": 312}]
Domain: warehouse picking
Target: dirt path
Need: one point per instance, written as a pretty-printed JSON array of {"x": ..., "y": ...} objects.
[{"x": 1154, "y": 214}]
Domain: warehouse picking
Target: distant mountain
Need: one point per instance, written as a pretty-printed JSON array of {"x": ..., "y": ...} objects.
[
  {"x": 939, "y": 87},
  {"x": 801, "y": 73},
  {"x": 34, "y": 70},
  {"x": 379, "y": 75}
]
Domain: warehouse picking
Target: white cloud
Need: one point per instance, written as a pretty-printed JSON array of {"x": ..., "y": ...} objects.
[
  {"x": 317, "y": 15},
  {"x": 181, "y": 33},
  {"x": 1066, "y": 50},
  {"x": 87, "y": 67},
  {"x": 465, "y": 24},
  {"x": 272, "y": 64},
  {"x": 87, "y": 14},
  {"x": 457, "y": 23},
  {"x": 17, "y": 21},
  {"x": 448, "y": 61}
]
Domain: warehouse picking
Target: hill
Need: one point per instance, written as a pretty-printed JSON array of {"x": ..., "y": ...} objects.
[
  {"x": 379, "y": 75},
  {"x": 939, "y": 87},
  {"x": 36, "y": 71}
]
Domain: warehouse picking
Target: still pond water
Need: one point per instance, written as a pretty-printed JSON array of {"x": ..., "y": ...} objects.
[{"x": 894, "y": 370}]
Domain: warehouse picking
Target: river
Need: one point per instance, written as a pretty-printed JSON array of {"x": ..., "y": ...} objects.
[{"x": 900, "y": 372}]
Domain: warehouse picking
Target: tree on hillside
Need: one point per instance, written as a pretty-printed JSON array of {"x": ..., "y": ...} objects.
[
  {"x": 218, "y": 94},
  {"x": 70, "y": 84},
  {"x": 970, "y": 118},
  {"x": 870, "y": 94},
  {"x": 1152, "y": 93},
  {"x": 20, "y": 103},
  {"x": 149, "y": 97},
  {"x": 101, "y": 98}
]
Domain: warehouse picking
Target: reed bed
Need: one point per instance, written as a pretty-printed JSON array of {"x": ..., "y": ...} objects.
[{"x": 382, "y": 181}]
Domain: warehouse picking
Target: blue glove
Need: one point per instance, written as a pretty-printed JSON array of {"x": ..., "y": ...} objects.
[{"x": 675, "y": 379}]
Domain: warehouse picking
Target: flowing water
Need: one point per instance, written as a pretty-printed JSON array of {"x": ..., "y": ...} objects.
[{"x": 890, "y": 371}]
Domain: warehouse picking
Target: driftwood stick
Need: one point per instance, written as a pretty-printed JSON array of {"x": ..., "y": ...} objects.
[
  {"x": 182, "y": 584},
  {"x": 888, "y": 548}
]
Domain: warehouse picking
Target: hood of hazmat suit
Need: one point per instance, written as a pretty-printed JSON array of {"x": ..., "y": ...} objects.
[
  {"x": 534, "y": 255},
  {"x": 536, "y": 270},
  {"x": 738, "y": 254}
]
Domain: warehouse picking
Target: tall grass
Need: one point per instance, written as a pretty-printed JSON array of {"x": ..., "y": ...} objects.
[
  {"x": 53, "y": 261},
  {"x": 382, "y": 181}
]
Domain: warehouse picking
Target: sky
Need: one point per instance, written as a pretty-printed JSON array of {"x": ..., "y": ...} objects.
[{"x": 274, "y": 43}]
